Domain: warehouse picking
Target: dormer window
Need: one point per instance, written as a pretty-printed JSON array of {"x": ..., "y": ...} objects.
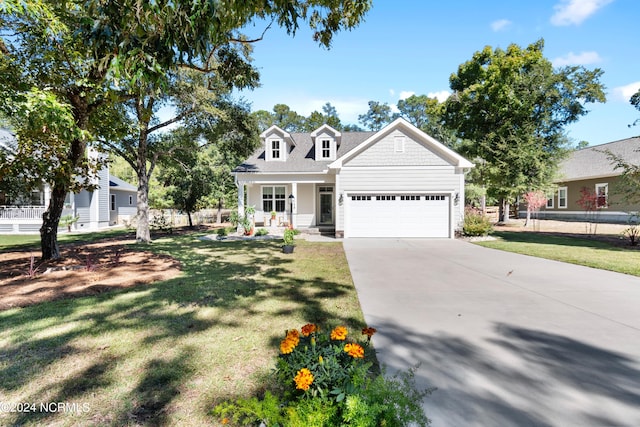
[
  {"x": 277, "y": 144},
  {"x": 326, "y": 148},
  {"x": 275, "y": 148}
]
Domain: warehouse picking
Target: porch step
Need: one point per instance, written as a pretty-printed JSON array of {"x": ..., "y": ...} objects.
[{"x": 324, "y": 231}]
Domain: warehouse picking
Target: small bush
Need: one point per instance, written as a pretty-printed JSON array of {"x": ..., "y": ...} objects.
[
  {"x": 222, "y": 232},
  {"x": 288, "y": 237},
  {"x": 262, "y": 232},
  {"x": 476, "y": 224},
  {"x": 160, "y": 223}
]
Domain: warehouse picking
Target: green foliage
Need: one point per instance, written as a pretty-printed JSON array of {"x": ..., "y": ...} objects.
[
  {"x": 473, "y": 194},
  {"x": 288, "y": 237},
  {"x": 68, "y": 220},
  {"x": 337, "y": 388},
  {"x": 262, "y": 232},
  {"x": 512, "y": 106},
  {"x": 427, "y": 115},
  {"x": 378, "y": 116},
  {"x": 160, "y": 223},
  {"x": 476, "y": 224},
  {"x": 635, "y": 101},
  {"x": 222, "y": 232}
]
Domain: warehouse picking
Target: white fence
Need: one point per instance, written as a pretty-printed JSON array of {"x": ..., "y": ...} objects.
[
  {"x": 22, "y": 212},
  {"x": 176, "y": 218}
]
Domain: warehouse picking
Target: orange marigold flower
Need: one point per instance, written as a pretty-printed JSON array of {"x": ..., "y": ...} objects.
[
  {"x": 369, "y": 331},
  {"x": 355, "y": 350},
  {"x": 288, "y": 344},
  {"x": 308, "y": 329},
  {"x": 225, "y": 421},
  {"x": 293, "y": 333},
  {"x": 339, "y": 333},
  {"x": 303, "y": 379}
]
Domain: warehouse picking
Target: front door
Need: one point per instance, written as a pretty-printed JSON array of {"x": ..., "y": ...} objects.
[{"x": 325, "y": 205}]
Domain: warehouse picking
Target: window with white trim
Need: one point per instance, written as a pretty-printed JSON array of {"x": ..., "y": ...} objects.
[
  {"x": 549, "y": 202},
  {"x": 562, "y": 197},
  {"x": 602, "y": 195},
  {"x": 113, "y": 202},
  {"x": 273, "y": 198}
]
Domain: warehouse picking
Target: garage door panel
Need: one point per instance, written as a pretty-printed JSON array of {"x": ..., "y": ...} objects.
[{"x": 419, "y": 215}]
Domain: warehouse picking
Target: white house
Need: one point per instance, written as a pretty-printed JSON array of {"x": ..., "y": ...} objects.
[
  {"x": 397, "y": 182},
  {"x": 114, "y": 202}
]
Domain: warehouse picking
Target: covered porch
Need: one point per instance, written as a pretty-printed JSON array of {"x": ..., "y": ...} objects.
[{"x": 309, "y": 203}]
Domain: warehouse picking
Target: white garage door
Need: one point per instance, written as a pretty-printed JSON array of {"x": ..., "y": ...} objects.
[{"x": 397, "y": 215}]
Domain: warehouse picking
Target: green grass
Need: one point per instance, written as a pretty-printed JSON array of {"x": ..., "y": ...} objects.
[
  {"x": 165, "y": 354},
  {"x": 588, "y": 252}
]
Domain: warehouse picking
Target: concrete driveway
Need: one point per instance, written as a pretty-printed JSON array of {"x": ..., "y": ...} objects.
[{"x": 508, "y": 340}]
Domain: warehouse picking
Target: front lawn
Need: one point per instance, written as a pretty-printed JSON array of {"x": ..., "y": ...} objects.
[
  {"x": 164, "y": 354},
  {"x": 581, "y": 251}
]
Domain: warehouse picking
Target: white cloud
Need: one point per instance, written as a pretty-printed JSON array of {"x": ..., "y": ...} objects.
[
  {"x": 392, "y": 92},
  {"x": 406, "y": 94},
  {"x": 441, "y": 96},
  {"x": 582, "y": 58},
  {"x": 500, "y": 24},
  {"x": 574, "y": 12},
  {"x": 625, "y": 92}
]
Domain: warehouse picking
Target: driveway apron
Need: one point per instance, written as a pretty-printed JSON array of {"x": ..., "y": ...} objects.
[{"x": 507, "y": 339}]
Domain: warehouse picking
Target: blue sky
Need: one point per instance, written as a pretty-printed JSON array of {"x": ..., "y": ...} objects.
[{"x": 406, "y": 47}]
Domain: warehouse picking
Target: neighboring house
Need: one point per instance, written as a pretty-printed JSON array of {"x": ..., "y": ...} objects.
[
  {"x": 114, "y": 202},
  {"x": 397, "y": 182},
  {"x": 590, "y": 168}
]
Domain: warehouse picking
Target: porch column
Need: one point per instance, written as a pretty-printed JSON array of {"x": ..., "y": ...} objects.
[
  {"x": 240, "y": 200},
  {"x": 47, "y": 195},
  {"x": 294, "y": 191}
]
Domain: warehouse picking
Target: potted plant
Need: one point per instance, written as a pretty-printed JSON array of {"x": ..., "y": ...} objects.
[
  {"x": 287, "y": 240},
  {"x": 273, "y": 215}
]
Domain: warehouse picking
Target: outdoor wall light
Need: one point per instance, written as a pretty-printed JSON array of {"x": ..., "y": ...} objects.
[
  {"x": 456, "y": 199},
  {"x": 341, "y": 199}
]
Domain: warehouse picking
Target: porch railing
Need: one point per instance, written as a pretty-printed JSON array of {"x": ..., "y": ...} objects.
[{"x": 21, "y": 212}]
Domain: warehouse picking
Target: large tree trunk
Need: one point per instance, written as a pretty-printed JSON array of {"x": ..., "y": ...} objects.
[
  {"x": 503, "y": 211},
  {"x": 143, "y": 235},
  {"x": 50, "y": 220}
]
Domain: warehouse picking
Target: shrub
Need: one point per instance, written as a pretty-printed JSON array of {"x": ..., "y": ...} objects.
[
  {"x": 476, "y": 224},
  {"x": 262, "y": 232},
  {"x": 159, "y": 222},
  {"x": 288, "y": 237},
  {"x": 222, "y": 232},
  {"x": 324, "y": 379},
  {"x": 633, "y": 231}
]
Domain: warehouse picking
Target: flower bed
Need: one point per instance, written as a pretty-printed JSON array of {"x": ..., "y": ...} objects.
[{"x": 325, "y": 379}]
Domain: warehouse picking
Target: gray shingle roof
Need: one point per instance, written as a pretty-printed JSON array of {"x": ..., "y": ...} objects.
[
  {"x": 593, "y": 162},
  {"x": 301, "y": 156},
  {"x": 116, "y": 183}
]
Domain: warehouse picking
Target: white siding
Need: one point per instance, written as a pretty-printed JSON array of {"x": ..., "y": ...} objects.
[
  {"x": 103, "y": 194},
  {"x": 383, "y": 153},
  {"x": 442, "y": 179},
  {"x": 306, "y": 216}
]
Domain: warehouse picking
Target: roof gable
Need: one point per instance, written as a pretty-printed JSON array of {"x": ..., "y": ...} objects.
[{"x": 433, "y": 152}]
